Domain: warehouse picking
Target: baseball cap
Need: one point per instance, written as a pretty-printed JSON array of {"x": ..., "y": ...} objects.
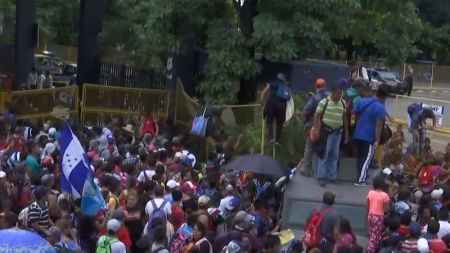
[
  {"x": 40, "y": 191},
  {"x": 113, "y": 225},
  {"x": 188, "y": 187},
  {"x": 415, "y": 229},
  {"x": 49, "y": 148},
  {"x": 282, "y": 77},
  {"x": 422, "y": 246},
  {"x": 55, "y": 232},
  {"x": 320, "y": 83},
  {"x": 203, "y": 200},
  {"x": 436, "y": 194},
  {"x": 341, "y": 83},
  {"x": 387, "y": 171},
  {"x": 2, "y": 174},
  {"x": 172, "y": 184},
  {"x": 234, "y": 203},
  {"x": 229, "y": 188}
]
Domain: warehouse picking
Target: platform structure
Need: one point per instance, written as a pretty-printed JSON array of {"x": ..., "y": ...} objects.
[{"x": 303, "y": 194}]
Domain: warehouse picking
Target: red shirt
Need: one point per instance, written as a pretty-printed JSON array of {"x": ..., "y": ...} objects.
[
  {"x": 177, "y": 217},
  {"x": 437, "y": 246},
  {"x": 122, "y": 234}
]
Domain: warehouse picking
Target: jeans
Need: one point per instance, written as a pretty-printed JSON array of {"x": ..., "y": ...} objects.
[
  {"x": 308, "y": 157},
  {"x": 365, "y": 152},
  {"x": 327, "y": 168}
]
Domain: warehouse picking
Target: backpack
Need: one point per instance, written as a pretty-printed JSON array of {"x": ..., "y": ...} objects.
[
  {"x": 312, "y": 235},
  {"x": 181, "y": 238},
  {"x": 414, "y": 109},
  {"x": 427, "y": 176},
  {"x": 105, "y": 246},
  {"x": 158, "y": 213},
  {"x": 284, "y": 92}
]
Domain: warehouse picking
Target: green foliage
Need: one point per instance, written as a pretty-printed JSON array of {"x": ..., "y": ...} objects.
[
  {"x": 58, "y": 21},
  {"x": 293, "y": 137},
  {"x": 7, "y": 21}
]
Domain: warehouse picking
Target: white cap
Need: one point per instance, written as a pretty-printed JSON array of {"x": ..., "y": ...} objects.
[
  {"x": 387, "y": 171},
  {"x": 172, "y": 184},
  {"x": 2, "y": 174},
  {"x": 229, "y": 188},
  {"x": 436, "y": 194},
  {"x": 52, "y": 131},
  {"x": 113, "y": 225},
  {"x": 422, "y": 246},
  {"x": 49, "y": 148},
  {"x": 177, "y": 155}
]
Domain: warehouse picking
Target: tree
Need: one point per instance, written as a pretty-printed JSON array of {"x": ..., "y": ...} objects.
[{"x": 7, "y": 21}]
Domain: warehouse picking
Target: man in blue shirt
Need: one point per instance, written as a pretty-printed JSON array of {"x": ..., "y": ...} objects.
[
  {"x": 371, "y": 117},
  {"x": 308, "y": 112}
]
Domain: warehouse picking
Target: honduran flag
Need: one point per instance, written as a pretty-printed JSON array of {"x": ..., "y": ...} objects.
[{"x": 76, "y": 176}]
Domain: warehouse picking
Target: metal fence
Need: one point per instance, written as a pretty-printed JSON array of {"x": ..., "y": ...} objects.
[
  {"x": 99, "y": 101},
  {"x": 131, "y": 77},
  {"x": 233, "y": 120},
  {"x": 61, "y": 103}
]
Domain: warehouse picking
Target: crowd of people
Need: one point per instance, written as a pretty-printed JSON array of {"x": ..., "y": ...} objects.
[{"x": 159, "y": 196}]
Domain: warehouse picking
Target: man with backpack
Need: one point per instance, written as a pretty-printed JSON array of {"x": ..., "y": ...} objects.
[
  {"x": 322, "y": 227},
  {"x": 418, "y": 116},
  {"x": 329, "y": 125},
  {"x": 109, "y": 243},
  {"x": 308, "y": 112},
  {"x": 157, "y": 208},
  {"x": 275, "y": 107}
]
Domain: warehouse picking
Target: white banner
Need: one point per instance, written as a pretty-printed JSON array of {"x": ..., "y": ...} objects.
[{"x": 438, "y": 112}]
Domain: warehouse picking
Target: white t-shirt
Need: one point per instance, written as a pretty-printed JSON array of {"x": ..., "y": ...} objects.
[
  {"x": 149, "y": 173},
  {"x": 158, "y": 201},
  {"x": 444, "y": 229},
  {"x": 116, "y": 247}
]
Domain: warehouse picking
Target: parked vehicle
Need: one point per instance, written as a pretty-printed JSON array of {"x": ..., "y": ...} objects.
[
  {"x": 61, "y": 71},
  {"x": 388, "y": 78}
]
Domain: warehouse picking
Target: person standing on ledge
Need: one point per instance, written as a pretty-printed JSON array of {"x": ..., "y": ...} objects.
[
  {"x": 329, "y": 124},
  {"x": 308, "y": 111},
  {"x": 275, "y": 107}
]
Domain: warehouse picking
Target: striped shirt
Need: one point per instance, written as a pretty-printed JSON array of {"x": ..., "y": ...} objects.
[
  {"x": 38, "y": 214},
  {"x": 409, "y": 246},
  {"x": 333, "y": 117}
]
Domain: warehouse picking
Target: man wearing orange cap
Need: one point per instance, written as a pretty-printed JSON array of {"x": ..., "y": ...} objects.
[{"x": 308, "y": 112}]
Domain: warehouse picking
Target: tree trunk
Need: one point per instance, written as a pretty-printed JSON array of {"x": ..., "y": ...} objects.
[
  {"x": 349, "y": 49},
  {"x": 247, "y": 91}
]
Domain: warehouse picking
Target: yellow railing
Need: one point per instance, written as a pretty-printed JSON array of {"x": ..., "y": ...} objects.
[
  {"x": 233, "y": 119},
  {"x": 59, "y": 103},
  {"x": 100, "y": 101}
]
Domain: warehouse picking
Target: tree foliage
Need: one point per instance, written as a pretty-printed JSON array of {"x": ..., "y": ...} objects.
[{"x": 145, "y": 32}]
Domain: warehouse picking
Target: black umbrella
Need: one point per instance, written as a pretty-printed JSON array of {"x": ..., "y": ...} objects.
[{"x": 259, "y": 164}]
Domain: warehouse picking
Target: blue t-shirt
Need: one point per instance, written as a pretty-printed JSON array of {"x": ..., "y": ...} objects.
[
  {"x": 367, "y": 118},
  {"x": 312, "y": 104}
]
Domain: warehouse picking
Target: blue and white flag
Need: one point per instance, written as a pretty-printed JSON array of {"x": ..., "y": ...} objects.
[{"x": 76, "y": 176}]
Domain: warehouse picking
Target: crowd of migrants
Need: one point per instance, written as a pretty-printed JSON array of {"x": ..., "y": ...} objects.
[{"x": 159, "y": 198}]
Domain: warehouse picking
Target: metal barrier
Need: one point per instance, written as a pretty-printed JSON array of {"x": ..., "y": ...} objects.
[
  {"x": 100, "y": 101},
  {"x": 232, "y": 119},
  {"x": 59, "y": 103}
]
